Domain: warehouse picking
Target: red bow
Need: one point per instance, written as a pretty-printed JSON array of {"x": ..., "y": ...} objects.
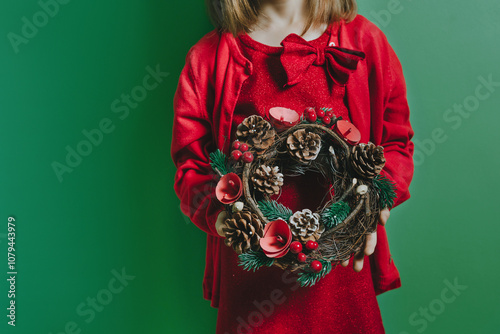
[{"x": 298, "y": 55}]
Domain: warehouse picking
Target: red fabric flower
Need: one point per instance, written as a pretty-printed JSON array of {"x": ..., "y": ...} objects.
[
  {"x": 229, "y": 188},
  {"x": 277, "y": 238}
]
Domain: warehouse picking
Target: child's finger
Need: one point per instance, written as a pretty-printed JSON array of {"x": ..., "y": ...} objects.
[
  {"x": 384, "y": 216},
  {"x": 358, "y": 260},
  {"x": 371, "y": 242}
]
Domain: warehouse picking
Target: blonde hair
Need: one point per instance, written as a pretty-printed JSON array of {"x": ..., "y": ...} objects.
[{"x": 238, "y": 16}]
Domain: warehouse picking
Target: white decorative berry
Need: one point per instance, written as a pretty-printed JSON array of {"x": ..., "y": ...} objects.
[
  {"x": 362, "y": 189},
  {"x": 238, "y": 206}
]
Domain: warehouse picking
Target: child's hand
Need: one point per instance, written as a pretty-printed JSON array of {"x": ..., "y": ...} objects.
[
  {"x": 219, "y": 224},
  {"x": 370, "y": 243}
]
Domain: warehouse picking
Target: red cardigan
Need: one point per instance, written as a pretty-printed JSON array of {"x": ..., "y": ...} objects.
[{"x": 204, "y": 103}]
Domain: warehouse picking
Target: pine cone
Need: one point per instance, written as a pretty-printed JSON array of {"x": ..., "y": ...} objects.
[
  {"x": 256, "y": 132},
  {"x": 367, "y": 160},
  {"x": 267, "y": 180},
  {"x": 304, "y": 145},
  {"x": 243, "y": 231},
  {"x": 306, "y": 225}
]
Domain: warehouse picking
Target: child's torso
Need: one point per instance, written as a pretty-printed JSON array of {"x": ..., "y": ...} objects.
[{"x": 266, "y": 88}]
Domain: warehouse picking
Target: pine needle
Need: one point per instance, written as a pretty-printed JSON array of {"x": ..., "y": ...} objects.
[
  {"x": 386, "y": 190},
  {"x": 335, "y": 214},
  {"x": 308, "y": 278},
  {"x": 218, "y": 161},
  {"x": 253, "y": 260},
  {"x": 273, "y": 210}
]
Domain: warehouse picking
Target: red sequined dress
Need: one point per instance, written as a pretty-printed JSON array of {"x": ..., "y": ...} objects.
[{"x": 269, "y": 300}]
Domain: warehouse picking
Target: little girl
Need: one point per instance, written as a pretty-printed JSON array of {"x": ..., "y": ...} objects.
[{"x": 289, "y": 53}]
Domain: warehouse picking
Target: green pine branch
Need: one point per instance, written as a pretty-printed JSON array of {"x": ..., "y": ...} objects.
[
  {"x": 335, "y": 214},
  {"x": 219, "y": 163},
  {"x": 253, "y": 260},
  {"x": 317, "y": 121},
  {"x": 386, "y": 190},
  {"x": 309, "y": 278},
  {"x": 273, "y": 210}
]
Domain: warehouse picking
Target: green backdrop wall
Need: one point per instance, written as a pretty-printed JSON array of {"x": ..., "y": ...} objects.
[{"x": 101, "y": 245}]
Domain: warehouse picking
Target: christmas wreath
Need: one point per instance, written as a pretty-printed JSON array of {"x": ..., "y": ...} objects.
[{"x": 312, "y": 241}]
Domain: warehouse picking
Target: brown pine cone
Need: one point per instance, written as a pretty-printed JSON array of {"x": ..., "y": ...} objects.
[
  {"x": 304, "y": 145},
  {"x": 243, "y": 231},
  {"x": 306, "y": 225},
  {"x": 367, "y": 160},
  {"x": 267, "y": 180},
  {"x": 256, "y": 132}
]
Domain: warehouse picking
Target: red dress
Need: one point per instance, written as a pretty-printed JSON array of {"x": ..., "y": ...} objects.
[
  {"x": 269, "y": 300},
  {"x": 208, "y": 90}
]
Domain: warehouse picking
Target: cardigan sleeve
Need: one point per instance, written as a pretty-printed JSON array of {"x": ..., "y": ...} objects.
[
  {"x": 192, "y": 142},
  {"x": 397, "y": 132}
]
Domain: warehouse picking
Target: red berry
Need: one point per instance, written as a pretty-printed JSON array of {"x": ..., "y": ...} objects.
[
  {"x": 236, "y": 155},
  {"x": 309, "y": 109},
  {"x": 326, "y": 120},
  {"x": 301, "y": 257},
  {"x": 330, "y": 114},
  {"x": 296, "y": 247},
  {"x": 316, "y": 266},
  {"x": 311, "y": 245},
  {"x": 243, "y": 147},
  {"x": 247, "y": 157},
  {"x": 320, "y": 113},
  {"x": 236, "y": 144},
  {"x": 311, "y": 117}
]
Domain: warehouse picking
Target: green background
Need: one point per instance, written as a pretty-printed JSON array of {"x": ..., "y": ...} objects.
[{"x": 117, "y": 208}]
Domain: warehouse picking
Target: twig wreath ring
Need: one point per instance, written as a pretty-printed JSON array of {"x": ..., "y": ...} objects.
[{"x": 314, "y": 240}]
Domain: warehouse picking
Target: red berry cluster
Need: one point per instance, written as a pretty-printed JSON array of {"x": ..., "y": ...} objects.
[
  {"x": 312, "y": 115},
  {"x": 240, "y": 151},
  {"x": 296, "y": 248}
]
